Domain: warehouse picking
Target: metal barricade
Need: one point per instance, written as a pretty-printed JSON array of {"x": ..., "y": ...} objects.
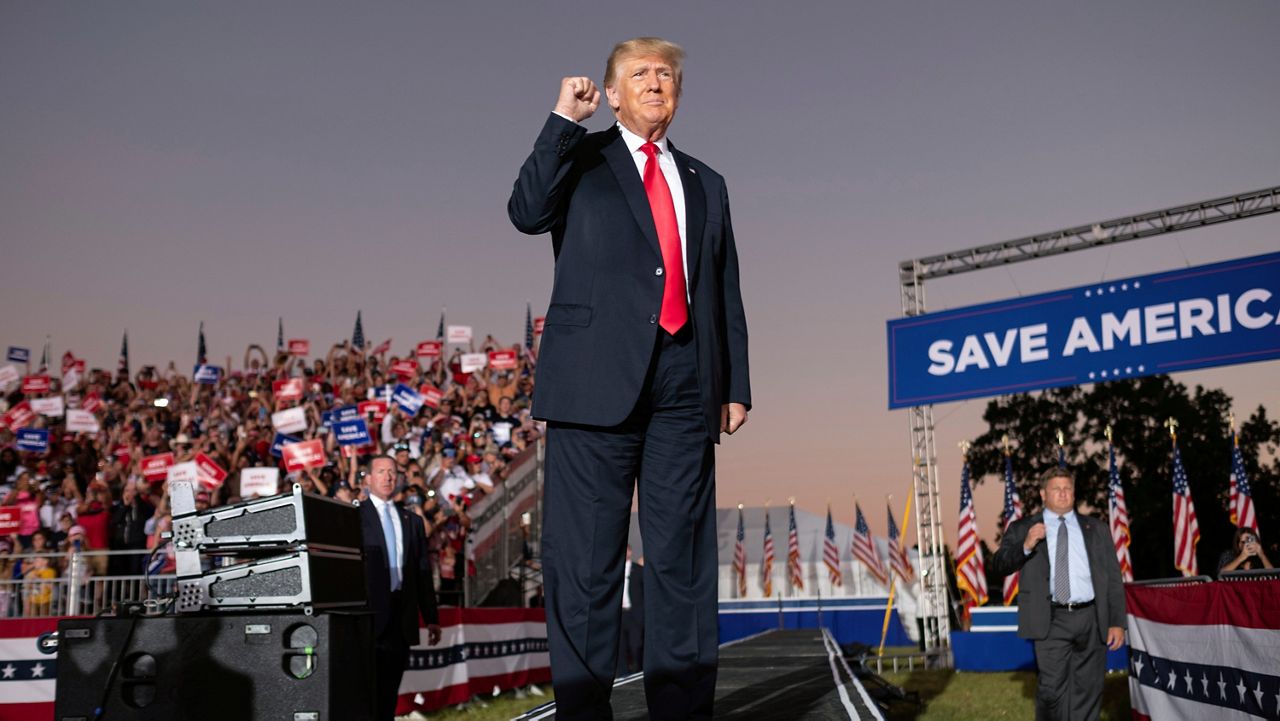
[{"x": 75, "y": 590}]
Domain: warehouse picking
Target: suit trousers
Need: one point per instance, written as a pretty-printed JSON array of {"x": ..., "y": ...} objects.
[
  {"x": 391, "y": 653},
  {"x": 1072, "y": 665},
  {"x": 591, "y": 473}
]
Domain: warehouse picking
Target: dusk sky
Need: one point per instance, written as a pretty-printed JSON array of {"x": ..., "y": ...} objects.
[{"x": 163, "y": 164}]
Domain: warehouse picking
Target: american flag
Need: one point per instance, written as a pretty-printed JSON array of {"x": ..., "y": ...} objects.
[
  {"x": 971, "y": 575},
  {"x": 740, "y": 558},
  {"x": 864, "y": 548},
  {"x": 898, "y": 561},
  {"x": 202, "y": 355},
  {"x": 1186, "y": 531},
  {"x": 794, "y": 574},
  {"x": 1012, "y": 512},
  {"x": 124, "y": 354},
  {"x": 280, "y": 335},
  {"x": 440, "y": 328},
  {"x": 44, "y": 359},
  {"x": 357, "y": 335},
  {"x": 831, "y": 553},
  {"x": 766, "y": 565},
  {"x": 383, "y": 347},
  {"x": 1241, "y": 500},
  {"x": 1119, "y": 515}
]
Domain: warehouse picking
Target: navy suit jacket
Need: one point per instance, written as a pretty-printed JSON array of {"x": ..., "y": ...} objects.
[
  {"x": 416, "y": 587},
  {"x": 602, "y": 323}
]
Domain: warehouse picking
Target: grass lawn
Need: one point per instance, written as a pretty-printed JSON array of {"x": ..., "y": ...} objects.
[
  {"x": 501, "y": 708},
  {"x": 949, "y": 695}
]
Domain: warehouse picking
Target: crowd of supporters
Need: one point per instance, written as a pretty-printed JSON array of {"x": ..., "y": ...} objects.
[{"x": 88, "y": 491}]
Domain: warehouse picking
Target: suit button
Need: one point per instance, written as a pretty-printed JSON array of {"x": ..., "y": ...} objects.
[
  {"x": 658, "y": 271},
  {"x": 653, "y": 319}
]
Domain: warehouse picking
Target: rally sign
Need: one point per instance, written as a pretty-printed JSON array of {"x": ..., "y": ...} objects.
[
  {"x": 431, "y": 395},
  {"x": 279, "y": 442},
  {"x": 407, "y": 399},
  {"x": 10, "y": 520},
  {"x": 304, "y": 455},
  {"x": 19, "y": 355},
  {"x": 290, "y": 420},
  {"x": 503, "y": 360},
  {"x": 53, "y": 406},
  {"x": 211, "y": 474},
  {"x": 405, "y": 369},
  {"x": 156, "y": 468},
  {"x": 19, "y": 415},
  {"x": 1200, "y": 317},
  {"x": 299, "y": 346},
  {"x": 378, "y": 408},
  {"x": 33, "y": 440},
  {"x": 35, "y": 384},
  {"x": 259, "y": 482},
  {"x": 92, "y": 402},
  {"x": 472, "y": 362},
  {"x": 71, "y": 374},
  {"x": 287, "y": 390},
  {"x": 182, "y": 472},
  {"x": 206, "y": 374},
  {"x": 459, "y": 334},
  {"x": 429, "y": 349},
  {"x": 337, "y": 415},
  {"x": 539, "y": 324},
  {"x": 352, "y": 433},
  {"x": 9, "y": 375},
  {"x": 82, "y": 421}
]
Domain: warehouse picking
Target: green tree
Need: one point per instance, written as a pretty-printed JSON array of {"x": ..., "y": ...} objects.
[{"x": 1137, "y": 410}]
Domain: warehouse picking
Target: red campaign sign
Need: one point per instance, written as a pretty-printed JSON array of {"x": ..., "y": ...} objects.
[
  {"x": 431, "y": 395},
  {"x": 211, "y": 474},
  {"x": 10, "y": 520},
  {"x": 19, "y": 416},
  {"x": 91, "y": 402},
  {"x": 287, "y": 390},
  {"x": 156, "y": 468},
  {"x": 68, "y": 360},
  {"x": 303, "y": 455},
  {"x": 35, "y": 384},
  {"x": 405, "y": 369},
  {"x": 353, "y": 451},
  {"x": 379, "y": 409},
  {"x": 539, "y": 324},
  {"x": 429, "y": 349},
  {"x": 148, "y": 385},
  {"x": 122, "y": 455},
  {"x": 503, "y": 360},
  {"x": 299, "y": 346}
]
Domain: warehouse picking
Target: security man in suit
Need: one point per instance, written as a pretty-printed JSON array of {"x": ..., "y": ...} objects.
[
  {"x": 643, "y": 364},
  {"x": 1070, "y": 598},
  {"x": 398, "y": 578}
]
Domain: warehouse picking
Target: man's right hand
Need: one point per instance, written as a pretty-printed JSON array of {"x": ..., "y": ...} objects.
[
  {"x": 579, "y": 98},
  {"x": 1035, "y": 534}
]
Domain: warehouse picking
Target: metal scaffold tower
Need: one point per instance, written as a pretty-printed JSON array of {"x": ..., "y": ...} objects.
[{"x": 935, "y": 600}]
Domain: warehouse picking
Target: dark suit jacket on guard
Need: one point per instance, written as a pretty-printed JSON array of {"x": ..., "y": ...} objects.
[
  {"x": 602, "y": 322},
  {"x": 1033, "y": 585},
  {"x": 416, "y": 587}
]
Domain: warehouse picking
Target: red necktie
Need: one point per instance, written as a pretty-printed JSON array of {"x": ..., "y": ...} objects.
[{"x": 675, "y": 308}]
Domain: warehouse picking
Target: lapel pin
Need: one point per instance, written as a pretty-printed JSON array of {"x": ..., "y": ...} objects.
[{"x": 693, "y": 170}]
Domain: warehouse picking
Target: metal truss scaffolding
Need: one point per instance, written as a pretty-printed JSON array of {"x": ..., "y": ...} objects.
[{"x": 935, "y": 599}]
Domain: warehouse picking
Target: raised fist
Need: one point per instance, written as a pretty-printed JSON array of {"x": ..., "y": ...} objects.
[{"x": 579, "y": 98}]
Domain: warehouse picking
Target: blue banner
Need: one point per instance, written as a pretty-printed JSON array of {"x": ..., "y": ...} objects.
[
  {"x": 19, "y": 355},
  {"x": 1210, "y": 315},
  {"x": 409, "y": 400},
  {"x": 206, "y": 374},
  {"x": 34, "y": 440},
  {"x": 352, "y": 433},
  {"x": 279, "y": 442}
]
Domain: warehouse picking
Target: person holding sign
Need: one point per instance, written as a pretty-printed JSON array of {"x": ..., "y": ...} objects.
[{"x": 643, "y": 364}]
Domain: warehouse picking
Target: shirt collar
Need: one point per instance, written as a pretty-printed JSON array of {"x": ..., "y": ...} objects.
[
  {"x": 378, "y": 503},
  {"x": 634, "y": 141},
  {"x": 1068, "y": 517}
]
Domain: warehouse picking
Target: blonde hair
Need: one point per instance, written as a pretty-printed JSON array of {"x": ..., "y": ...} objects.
[{"x": 670, "y": 52}]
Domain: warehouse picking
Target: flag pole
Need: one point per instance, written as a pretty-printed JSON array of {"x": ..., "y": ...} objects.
[{"x": 888, "y": 609}]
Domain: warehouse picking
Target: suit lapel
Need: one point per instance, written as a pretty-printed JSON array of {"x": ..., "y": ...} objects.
[
  {"x": 695, "y": 212},
  {"x": 624, "y": 169}
]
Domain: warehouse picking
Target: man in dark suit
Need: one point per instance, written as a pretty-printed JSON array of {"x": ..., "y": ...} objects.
[
  {"x": 643, "y": 364},
  {"x": 1070, "y": 598},
  {"x": 398, "y": 578}
]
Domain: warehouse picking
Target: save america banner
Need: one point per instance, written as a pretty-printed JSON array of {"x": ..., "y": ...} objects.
[{"x": 1209, "y": 315}]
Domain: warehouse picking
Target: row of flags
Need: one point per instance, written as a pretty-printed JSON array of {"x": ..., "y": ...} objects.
[
  {"x": 971, "y": 567},
  {"x": 862, "y": 548}
]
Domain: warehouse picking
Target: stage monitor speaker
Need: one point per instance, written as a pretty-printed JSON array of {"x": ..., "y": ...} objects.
[{"x": 217, "y": 667}]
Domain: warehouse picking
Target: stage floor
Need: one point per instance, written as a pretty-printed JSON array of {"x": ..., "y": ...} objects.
[{"x": 793, "y": 675}]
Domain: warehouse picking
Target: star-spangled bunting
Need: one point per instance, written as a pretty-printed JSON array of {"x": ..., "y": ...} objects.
[
  {"x": 1118, "y": 513},
  {"x": 766, "y": 562},
  {"x": 795, "y": 575},
  {"x": 863, "y": 547},
  {"x": 971, "y": 574},
  {"x": 740, "y": 557},
  {"x": 898, "y": 561},
  {"x": 1241, "y": 497},
  {"x": 1186, "y": 530},
  {"x": 831, "y": 553},
  {"x": 1012, "y": 512}
]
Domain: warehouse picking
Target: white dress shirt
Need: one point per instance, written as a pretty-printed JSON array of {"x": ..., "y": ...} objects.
[{"x": 378, "y": 506}]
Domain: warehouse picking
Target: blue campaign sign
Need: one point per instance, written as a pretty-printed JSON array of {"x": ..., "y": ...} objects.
[
  {"x": 352, "y": 433},
  {"x": 339, "y": 415},
  {"x": 409, "y": 400},
  {"x": 279, "y": 442},
  {"x": 34, "y": 440},
  {"x": 19, "y": 355},
  {"x": 1210, "y": 315},
  {"x": 206, "y": 374}
]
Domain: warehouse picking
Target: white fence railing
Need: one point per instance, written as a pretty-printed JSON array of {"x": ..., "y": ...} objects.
[{"x": 76, "y": 591}]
